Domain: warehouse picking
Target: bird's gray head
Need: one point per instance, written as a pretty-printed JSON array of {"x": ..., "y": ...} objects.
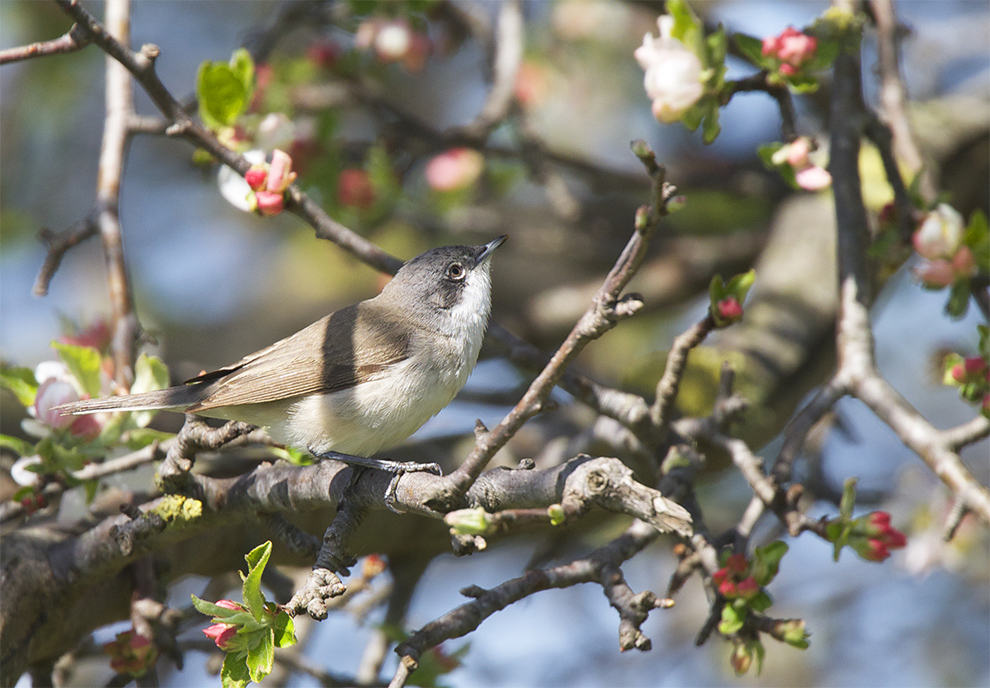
[{"x": 451, "y": 279}]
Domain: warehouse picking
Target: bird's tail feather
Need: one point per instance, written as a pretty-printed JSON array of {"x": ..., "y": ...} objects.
[{"x": 162, "y": 399}]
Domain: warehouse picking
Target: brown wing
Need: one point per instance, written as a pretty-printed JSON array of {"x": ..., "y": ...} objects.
[{"x": 334, "y": 353}]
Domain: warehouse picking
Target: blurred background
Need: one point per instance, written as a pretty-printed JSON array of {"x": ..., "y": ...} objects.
[{"x": 213, "y": 283}]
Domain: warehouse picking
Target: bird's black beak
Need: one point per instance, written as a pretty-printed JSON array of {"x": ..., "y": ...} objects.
[{"x": 488, "y": 249}]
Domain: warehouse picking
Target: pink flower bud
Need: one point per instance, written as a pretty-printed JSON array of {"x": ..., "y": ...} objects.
[
  {"x": 796, "y": 48},
  {"x": 974, "y": 365},
  {"x": 748, "y": 588},
  {"x": 797, "y": 152},
  {"x": 894, "y": 539},
  {"x": 230, "y": 604},
  {"x": 256, "y": 177},
  {"x": 354, "y": 188},
  {"x": 720, "y": 576},
  {"x": 221, "y": 634},
  {"x": 324, "y": 54},
  {"x": 737, "y": 563},
  {"x": 373, "y": 565},
  {"x": 88, "y": 427},
  {"x": 34, "y": 502},
  {"x": 887, "y": 214},
  {"x": 964, "y": 262},
  {"x": 958, "y": 372},
  {"x": 741, "y": 659},
  {"x": 878, "y": 520},
  {"x": 457, "y": 168},
  {"x": 269, "y": 203},
  {"x": 131, "y": 653},
  {"x": 727, "y": 589},
  {"x": 936, "y": 274},
  {"x": 813, "y": 178},
  {"x": 97, "y": 335},
  {"x": 54, "y": 392},
  {"x": 771, "y": 45},
  {"x": 280, "y": 174},
  {"x": 729, "y": 311}
]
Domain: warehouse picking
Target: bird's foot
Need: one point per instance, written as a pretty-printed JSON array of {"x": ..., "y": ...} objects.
[{"x": 398, "y": 468}]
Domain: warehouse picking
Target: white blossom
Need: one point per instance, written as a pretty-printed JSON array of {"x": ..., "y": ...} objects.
[{"x": 673, "y": 79}]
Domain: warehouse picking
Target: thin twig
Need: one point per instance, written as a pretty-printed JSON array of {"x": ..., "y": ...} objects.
[
  {"x": 58, "y": 245},
  {"x": 780, "y": 93},
  {"x": 893, "y": 94},
  {"x": 673, "y": 372},
  {"x": 71, "y": 41}
]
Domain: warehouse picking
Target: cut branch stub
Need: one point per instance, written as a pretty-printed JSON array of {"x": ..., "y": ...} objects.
[{"x": 609, "y": 483}]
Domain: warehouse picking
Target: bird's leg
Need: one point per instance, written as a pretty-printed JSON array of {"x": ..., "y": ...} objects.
[{"x": 399, "y": 468}]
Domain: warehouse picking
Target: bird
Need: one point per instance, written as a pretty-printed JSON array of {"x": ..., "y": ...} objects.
[{"x": 359, "y": 380}]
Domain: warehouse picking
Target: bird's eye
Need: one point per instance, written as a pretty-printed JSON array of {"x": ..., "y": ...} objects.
[{"x": 456, "y": 272}]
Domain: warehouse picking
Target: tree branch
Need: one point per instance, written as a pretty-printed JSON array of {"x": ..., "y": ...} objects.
[{"x": 72, "y": 40}]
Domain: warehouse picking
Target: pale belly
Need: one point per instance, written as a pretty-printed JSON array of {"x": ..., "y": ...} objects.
[{"x": 375, "y": 415}]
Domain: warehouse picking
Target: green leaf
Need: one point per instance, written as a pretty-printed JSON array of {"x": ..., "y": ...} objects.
[
  {"x": 825, "y": 55},
  {"x": 150, "y": 374},
  {"x": 214, "y": 610},
  {"x": 234, "y": 673},
  {"x": 751, "y": 49},
  {"x": 224, "y": 90},
  {"x": 760, "y": 602},
  {"x": 21, "y": 382},
  {"x": 977, "y": 237},
  {"x": 84, "y": 363},
  {"x": 958, "y": 302},
  {"x": 802, "y": 83},
  {"x": 17, "y": 445},
  {"x": 739, "y": 285},
  {"x": 261, "y": 657},
  {"x": 759, "y": 652},
  {"x": 732, "y": 619},
  {"x": 716, "y": 289},
  {"x": 254, "y": 599},
  {"x": 717, "y": 44},
  {"x": 285, "y": 629},
  {"x": 766, "y": 561},
  {"x": 687, "y": 28},
  {"x": 710, "y": 127},
  {"x": 848, "y": 501},
  {"x": 243, "y": 67},
  {"x": 691, "y": 119}
]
